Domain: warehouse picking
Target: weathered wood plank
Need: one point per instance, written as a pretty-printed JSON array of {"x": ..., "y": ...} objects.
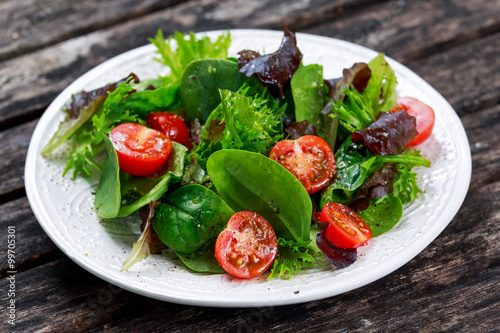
[
  {"x": 29, "y": 25},
  {"x": 33, "y": 246},
  {"x": 468, "y": 76},
  {"x": 483, "y": 132},
  {"x": 15, "y": 142},
  {"x": 450, "y": 278},
  {"x": 413, "y": 29}
]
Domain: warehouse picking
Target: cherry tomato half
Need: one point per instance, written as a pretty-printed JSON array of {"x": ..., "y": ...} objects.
[
  {"x": 346, "y": 230},
  {"x": 309, "y": 158},
  {"x": 172, "y": 125},
  {"x": 141, "y": 150},
  {"x": 247, "y": 246},
  {"x": 424, "y": 116}
]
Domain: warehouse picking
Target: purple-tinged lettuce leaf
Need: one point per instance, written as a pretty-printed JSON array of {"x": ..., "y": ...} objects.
[
  {"x": 297, "y": 129},
  {"x": 339, "y": 257},
  {"x": 358, "y": 76},
  {"x": 80, "y": 109},
  {"x": 276, "y": 68},
  {"x": 389, "y": 134}
]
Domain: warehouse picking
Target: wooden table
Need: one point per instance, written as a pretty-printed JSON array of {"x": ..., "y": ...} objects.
[{"x": 452, "y": 286}]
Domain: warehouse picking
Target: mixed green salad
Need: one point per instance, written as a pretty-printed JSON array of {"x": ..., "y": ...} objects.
[{"x": 249, "y": 164}]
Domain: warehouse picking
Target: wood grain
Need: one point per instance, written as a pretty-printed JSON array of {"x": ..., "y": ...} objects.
[
  {"x": 414, "y": 29},
  {"x": 15, "y": 142},
  {"x": 29, "y": 25}
]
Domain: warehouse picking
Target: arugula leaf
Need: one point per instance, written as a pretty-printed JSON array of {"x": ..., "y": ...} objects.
[{"x": 188, "y": 49}]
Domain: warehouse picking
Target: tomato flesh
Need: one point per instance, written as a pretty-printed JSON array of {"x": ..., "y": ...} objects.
[
  {"x": 170, "y": 124},
  {"x": 346, "y": 229},
  {"x": 309, "y": 158},
  {"x": 247, "y": 246},
  {"x": 424, "y": 115},
  {"x": 141, "y": 150}
]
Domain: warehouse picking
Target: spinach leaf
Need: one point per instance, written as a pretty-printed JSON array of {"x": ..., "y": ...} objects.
[
  {"x": 200, "y": 84},
  {"x": 202, "y": 261},
  {"x": 382, "y": 214},
  {"x": 252, "y": 182},
  {"x": 352, "y": 169},
  {"x": 189, "y": 217}
]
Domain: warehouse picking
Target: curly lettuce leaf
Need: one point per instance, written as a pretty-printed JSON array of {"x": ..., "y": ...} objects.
[
  {"x": 244, "y": 121},
  {"x": 292, "y": 257},
  {"x": 188, "y": 48}
]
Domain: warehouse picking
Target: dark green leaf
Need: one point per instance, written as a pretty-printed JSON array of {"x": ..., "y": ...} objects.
[
  {"x": 200, "y": 84},
  {"x": 108, "y": 196},
  {"x": 202, "y": 261},
  {"x": 252, "y": 182},
  {"x": 190, "y": 217},
  {"x": 382, "y": 214}
]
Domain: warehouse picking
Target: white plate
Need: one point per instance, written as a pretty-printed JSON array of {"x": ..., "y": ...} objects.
[{"x": 64, "y": 207}]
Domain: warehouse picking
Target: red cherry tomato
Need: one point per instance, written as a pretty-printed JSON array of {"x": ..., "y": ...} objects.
[
  {"x": 346, "y": 230},
  {"x": 247, "y": 246},
  {"x": 424, "y": 116},
  {"x": 172, "y": 125},
  {"x": 141, "y": 150},
  {"x": 309, "y": 158}
]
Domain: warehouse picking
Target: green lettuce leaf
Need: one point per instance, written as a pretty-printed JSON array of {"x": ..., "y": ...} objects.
[
  {"x": 179, "y": 50},
  {"x": 292, "y": 257}
]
